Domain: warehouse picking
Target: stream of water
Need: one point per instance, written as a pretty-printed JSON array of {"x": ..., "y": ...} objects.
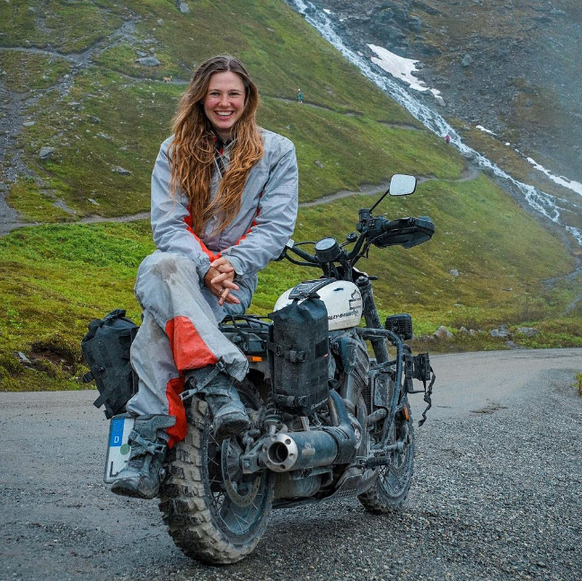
[{"x": 545, "y": 204}]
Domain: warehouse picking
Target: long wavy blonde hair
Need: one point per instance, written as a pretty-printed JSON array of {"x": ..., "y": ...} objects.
[{"x": 192, "y": 150}]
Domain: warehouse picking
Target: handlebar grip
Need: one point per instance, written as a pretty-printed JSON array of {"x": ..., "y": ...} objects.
[
  {"x": 384, "y": 226},
  {"x": 406, "y": 232},
  {"x": 389, "y": 225}
]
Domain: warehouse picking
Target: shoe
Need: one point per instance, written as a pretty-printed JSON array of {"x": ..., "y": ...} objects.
[
  {"x": 142, "y": 476},
  {"x": 229, "y": 415}
]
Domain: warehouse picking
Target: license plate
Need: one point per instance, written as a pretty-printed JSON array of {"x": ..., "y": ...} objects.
[{"x": 118, "y": 450}]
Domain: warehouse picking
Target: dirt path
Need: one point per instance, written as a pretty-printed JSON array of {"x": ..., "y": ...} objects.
[
  {"x": 7, "y": 225},
  {"x": 14, "y": 103}
]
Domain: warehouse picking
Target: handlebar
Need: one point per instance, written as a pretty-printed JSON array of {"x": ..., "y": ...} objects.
[
  {"x": 311, "y": 260},
  {"x": 304, "y": 255},
  {"x": 382, "y": 225},
  {"x": 377, "y": 230}
]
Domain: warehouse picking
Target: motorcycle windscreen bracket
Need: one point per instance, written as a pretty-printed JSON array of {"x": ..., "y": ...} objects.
[{"x": 118, "y": 450}]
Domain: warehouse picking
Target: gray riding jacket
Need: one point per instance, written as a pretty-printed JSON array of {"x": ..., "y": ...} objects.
[{"x": 258, "y": 233}]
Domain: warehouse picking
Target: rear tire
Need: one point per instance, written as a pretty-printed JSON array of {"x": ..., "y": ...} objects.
[
  {"x": 394, "y": 480},
  {"x": 214, "y": 512}
]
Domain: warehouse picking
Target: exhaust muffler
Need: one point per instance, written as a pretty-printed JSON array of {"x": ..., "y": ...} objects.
[{"x": 313, "y": 448}]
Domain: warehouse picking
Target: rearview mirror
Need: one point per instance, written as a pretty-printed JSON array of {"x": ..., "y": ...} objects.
[{"x": 402, "y": 185}]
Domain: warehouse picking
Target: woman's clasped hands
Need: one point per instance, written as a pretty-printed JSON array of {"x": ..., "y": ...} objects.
[{"x": 220, "y": 280}]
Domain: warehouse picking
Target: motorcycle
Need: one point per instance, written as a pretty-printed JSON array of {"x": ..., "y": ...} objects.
[{"x": 327, "y": 419}]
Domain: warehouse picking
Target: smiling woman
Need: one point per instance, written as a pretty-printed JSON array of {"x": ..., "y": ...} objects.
[{"x": 224, "y": 204}]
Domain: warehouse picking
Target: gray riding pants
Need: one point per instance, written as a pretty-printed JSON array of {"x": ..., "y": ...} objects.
[{"x": 179, "y": 332}]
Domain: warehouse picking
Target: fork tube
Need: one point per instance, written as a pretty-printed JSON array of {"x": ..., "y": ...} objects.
[{"x": 372, "y": 318}]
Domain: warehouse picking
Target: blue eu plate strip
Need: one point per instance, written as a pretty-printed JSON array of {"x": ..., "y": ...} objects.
[{"x": 116, "y": 432}]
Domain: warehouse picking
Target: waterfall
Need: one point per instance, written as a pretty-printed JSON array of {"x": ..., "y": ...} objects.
[{"x": 540, "y": 201}]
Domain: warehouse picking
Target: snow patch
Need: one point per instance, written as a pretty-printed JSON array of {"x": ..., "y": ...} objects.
[
  {"x": 400, "y": 68},
  {"x": 481, "y": 128},
  {"x": 560, "y": 180}
]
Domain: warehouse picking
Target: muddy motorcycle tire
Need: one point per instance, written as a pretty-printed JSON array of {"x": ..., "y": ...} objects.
[
  {"x": 393, "y": 484},
  {"x": 214, "y": 513}
]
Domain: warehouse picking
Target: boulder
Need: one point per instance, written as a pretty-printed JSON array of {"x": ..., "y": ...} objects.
[
  {"x": 23, "y": 358},
  {"x": 148, "y": 61},
  {"x": 528, "y": 331},
  {"x": 501, "y": 333},
  {"x": 415, "y": 24},
  {"x": 442, "y": 333},
  {"x": 122, "y": 171},
  {"x": 46, "y": 153}
]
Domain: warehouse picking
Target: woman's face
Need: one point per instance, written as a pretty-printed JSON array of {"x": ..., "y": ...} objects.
[{"x": 224, "y": 102}]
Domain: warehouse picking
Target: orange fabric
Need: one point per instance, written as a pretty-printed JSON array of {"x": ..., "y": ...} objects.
[
  {"x": 176, "y": 409},
  {"x": 190, "y": 352},
  {"x": 205, "y": 249},
  {"x": 209, "y": 253},
  {"x": 188, "y": 348}
]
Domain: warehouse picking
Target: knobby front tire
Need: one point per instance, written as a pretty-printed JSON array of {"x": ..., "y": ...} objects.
[{"x": 214, "y": 513}]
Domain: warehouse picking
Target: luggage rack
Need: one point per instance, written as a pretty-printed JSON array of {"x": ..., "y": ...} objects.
[{"x": 249, "y": 332}]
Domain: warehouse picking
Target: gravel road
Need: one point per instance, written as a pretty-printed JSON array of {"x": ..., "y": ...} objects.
[{"x": 497, "y": 492}]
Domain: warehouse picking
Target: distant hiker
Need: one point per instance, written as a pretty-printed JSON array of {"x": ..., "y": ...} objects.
[
  {"x": 224, "y": 203},
  {"x": 447, "y": 138},
  {"x": 299, "y": 96}
]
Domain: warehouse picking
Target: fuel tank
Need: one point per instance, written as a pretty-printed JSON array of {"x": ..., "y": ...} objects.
[{"x": 342, "y": 300}]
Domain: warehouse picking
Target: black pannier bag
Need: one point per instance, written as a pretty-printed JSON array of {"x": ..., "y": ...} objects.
[
  {"x": 106, "y": 351},
  {"x": 299, "y": 356}
]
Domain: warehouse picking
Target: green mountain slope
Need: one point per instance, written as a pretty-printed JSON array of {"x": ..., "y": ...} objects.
[{"x": 72, "y": 74}]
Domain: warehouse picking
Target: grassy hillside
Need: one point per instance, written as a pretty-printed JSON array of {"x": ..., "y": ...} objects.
[{"x": 72, "y": 67}]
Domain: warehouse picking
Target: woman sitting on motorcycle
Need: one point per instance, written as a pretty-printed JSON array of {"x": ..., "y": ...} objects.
[{"x": 224, "y": 203}]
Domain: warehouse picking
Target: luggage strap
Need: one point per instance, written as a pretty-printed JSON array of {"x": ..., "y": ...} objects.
[
  {"x": 200, "y": 385},
  {"x": 291, "y": 355},
  {"x": 145, "y": 446}
]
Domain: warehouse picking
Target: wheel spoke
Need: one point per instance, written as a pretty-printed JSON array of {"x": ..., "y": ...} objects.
[
  {"x": 219, "y": 500},
  {"x": 240, "y": 518}
]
